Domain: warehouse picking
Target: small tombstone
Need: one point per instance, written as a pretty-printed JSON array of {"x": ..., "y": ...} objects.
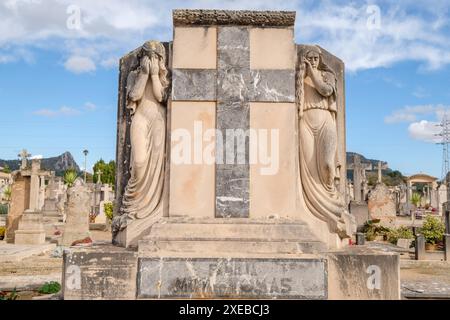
[
  {"x": 77, "y": 213},
  {"x": 19, "y": 203},
  {"x": 404, "y": 243},
  {"x": 31, "y": 230},
  {"x": 382, "y": 205}
]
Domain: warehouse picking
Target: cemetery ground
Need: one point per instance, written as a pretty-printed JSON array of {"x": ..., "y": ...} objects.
[{"x": 25, "y": 273}]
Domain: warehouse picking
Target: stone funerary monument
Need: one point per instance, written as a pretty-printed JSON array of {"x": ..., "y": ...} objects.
[{"x": 231, "y": 172}]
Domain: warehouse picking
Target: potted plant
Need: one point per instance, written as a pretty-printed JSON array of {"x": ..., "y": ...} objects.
[
  {"x": 7, "y": 193},
  {"x": 416, "y": 199},
  {"x": 400, "y": 233},
  {"x": 69, "y": 177},
  {"x": 433, "y": 231},
  {"x": 2, "y": 233},
  {"x": 109, "y": 213},
  {"x": 375, "y": 231}
]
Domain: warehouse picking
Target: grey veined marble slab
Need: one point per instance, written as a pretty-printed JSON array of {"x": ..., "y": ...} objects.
[{"x": 232, "y": 278}]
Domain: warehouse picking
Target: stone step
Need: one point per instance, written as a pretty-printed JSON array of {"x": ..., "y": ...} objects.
[
  {"x": 230, "y": 232},
  {"x": 52, "y": 214},
  {"x": 226, "y": 246},
  {"x": 51, "y": 220}
]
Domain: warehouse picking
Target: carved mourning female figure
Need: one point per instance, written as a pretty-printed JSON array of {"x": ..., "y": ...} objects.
[
  {"x": 146, "y": 90},
  {"x": 316, "y": 96}
]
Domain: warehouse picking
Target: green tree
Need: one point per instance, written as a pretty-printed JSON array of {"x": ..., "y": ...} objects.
[
  {"x": 108, "y": 172},
  {"x": 6, "y": 169}
]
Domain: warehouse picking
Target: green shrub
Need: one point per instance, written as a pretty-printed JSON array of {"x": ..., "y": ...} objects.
[
  {"x": 3, "y": 208},
  {"x": 109, "y": 210},
  {"x": 11, "y": 296},
  {"x": 433, "y": 229},
  {"x": 50, "y": 287},
  {"x": 372, "y": 229},
  {"x": 400, "y": 233}
]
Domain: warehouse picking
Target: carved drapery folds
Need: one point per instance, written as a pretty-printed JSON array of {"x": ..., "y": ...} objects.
[
  {"x": 320, "y": 168},
  {"x": 145, "y": 103}
]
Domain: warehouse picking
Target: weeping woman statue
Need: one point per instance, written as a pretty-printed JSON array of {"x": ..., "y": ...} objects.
[
  {"x": 146, "y": 91},
  {"x": 319, "y": 168}
]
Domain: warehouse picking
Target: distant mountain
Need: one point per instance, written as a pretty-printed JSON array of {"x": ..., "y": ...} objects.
[
  {"x": 374, "y": 162},
  {"x": 390, "y": 177},
  {"x": 58, "y": 164}
]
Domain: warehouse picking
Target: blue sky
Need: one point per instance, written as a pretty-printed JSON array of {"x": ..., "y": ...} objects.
[{"x": 58, "y": 73}]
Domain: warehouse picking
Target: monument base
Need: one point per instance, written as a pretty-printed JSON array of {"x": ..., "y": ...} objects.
[
  {"x": 33, "y": 237},
  {"x": 231, "y": 259},
  {"x": 106, "y": 272},
  {"x": 31, "y": 230},
  {"x": 224, "y": 236},
  {"x": 232, "y": 278}
]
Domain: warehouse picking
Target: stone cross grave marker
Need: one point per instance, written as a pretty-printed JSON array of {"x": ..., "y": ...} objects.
[{"x": 359, "y": 176}]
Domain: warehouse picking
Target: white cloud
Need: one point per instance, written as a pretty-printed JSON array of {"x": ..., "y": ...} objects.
[
  {"x": 90, "y": 106},
  {"x": 410, "y": 113},
  {"x": 77, "y": 64},
  {"x": 39, "y": 156},
  {"x": 425, "y": 131},
  {"x": 403, "y": 34},
  {"x": 65, "y": 111},
  {"x": 409, "y": 30}
]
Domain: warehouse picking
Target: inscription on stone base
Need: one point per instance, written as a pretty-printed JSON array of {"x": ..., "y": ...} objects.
[{"x": 200, "y": 278}]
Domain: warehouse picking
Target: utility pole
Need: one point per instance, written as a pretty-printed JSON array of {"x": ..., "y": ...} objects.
[
  {"x": 445, "y": 140},
  {"x": 85, "y": 152}
]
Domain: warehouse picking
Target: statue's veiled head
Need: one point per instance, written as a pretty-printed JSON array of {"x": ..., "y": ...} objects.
[
  {"x": 154, "y": 49},
  {"x": 314, "y": 56}
]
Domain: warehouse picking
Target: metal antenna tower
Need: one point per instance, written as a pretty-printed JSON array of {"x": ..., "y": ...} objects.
[{"x": 445, "y": 141}]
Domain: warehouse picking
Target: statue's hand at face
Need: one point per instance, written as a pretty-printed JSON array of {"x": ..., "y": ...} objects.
[
  {"x": 311, "y": 63},
  {"x": 145, "y": 65},
  {"x": 154, "y": 66},
  {"x": 310, "y": 70}
]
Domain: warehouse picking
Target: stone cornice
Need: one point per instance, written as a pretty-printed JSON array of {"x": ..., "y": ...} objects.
[{"x": 184, "y": 17}]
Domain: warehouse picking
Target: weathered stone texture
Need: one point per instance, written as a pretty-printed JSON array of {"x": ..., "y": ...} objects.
[
  {"x": 233, "y": 112},
  {"x": 233, "y": 47},
  {"x": 360, "y": 273},
  {"x": 194, "y": 84},
  {"x": 123, "y": 147},
  {"x": 229, "y": 17},
  {"x": 77, "y": 211},
  {"x": 31, "y": 229},
  {"x": 99, "y": 273},
  {"x": 361, "y": 213},
  {"x": 273, "y": 85},
  {"x": 382, "y": 205},
  {"x": 199, "y": 278},
  {"x": 20, "y": 200}
]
